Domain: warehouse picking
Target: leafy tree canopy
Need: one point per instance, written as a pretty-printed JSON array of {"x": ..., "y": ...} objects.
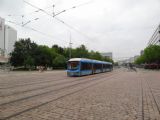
[
  {"x": 151, "y": 55},
  {"x": 29, "y": 54}
]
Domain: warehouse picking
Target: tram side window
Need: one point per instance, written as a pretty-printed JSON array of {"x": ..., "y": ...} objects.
[
  {"x": 97, "y": 66},
  {"x": 111, "y": 66},
  {"x": 104, "y": 66},
  {"x": 94, "y": 66},
  {"x": 73, "y": 65},
  {"x": 86, "y": 66},
  {"x": 108, "y": 66}
]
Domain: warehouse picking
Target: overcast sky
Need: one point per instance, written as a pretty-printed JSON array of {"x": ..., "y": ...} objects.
[{"x": 123, "y": 27}]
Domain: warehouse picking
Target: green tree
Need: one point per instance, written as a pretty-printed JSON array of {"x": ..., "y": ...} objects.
[
  {"x": 29, "y": 54},
  {"x": 44, "y": 56},
  {"x": 81, "y": 52},
  {"x": 95, "y": 55},
  {"x": 140, "y": 60},
  {"x": 29, "y": 62},
  {"x": 22, "y": 50},
  {"x": 59, "y": 62},
  {"x": 151, "y": 55},
  {"x": 108, "y": 60},
  {"x": 58, "y": 49}
]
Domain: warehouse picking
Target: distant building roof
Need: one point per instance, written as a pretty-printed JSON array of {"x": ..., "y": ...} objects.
[{"x": 108, "y": 54}]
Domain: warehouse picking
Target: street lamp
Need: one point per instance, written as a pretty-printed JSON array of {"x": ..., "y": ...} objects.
[{"x": 70, "y": 46}]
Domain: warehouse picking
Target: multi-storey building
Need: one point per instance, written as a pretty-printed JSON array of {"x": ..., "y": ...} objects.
[
  {"x": 107, "y": 55},
  {"x": 155, "y": 39},
  {"x": 10, "y": 39},
  {"x": 8, "y": 36},
  {"x": 2, "y": 27}
]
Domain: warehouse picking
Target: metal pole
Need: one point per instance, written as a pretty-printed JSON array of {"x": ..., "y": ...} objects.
[
  {"x": 53, "y": 10},
  {"x": 0, "y": 51},
  {"x": 70, "y": 47},
  {"x": 22, "y": 19},
  {"x": 4, "y": 40}
]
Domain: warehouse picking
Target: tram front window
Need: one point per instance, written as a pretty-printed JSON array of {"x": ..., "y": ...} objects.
[{"x": 73, "y": 65}]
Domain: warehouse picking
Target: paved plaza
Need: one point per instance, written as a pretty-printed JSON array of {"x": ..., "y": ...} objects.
[{"x": 118, "y": 95}]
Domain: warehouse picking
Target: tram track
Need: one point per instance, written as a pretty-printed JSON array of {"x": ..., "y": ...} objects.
[
  {"x": 43, "y": 87},
  {"x": 53, "y": 90},
  {"x": 19, "y": 77},
  {"x": 142, "y": 100},
  {"x": 72, "y": 91},
  {"x": 146, "y": 89},
  {"x": 153, "y": 96},
  {"x": 41, "y": 80},
  {"x": 39, "y": 87},
  {"x": 31, "y": 86}
]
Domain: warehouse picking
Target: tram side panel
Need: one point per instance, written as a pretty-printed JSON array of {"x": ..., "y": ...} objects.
[
  {"x": 73, "y": 72},
  {"x": 97, "y": 68},
  {"x": 104, "y": 68},
  {"x": 86, "y": 68}
]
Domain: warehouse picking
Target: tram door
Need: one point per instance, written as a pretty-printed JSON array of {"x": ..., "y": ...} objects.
[{"x": 93, "y": 68}]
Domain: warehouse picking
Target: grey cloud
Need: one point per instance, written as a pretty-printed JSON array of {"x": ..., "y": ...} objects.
[{"x": 120, "y": 26}]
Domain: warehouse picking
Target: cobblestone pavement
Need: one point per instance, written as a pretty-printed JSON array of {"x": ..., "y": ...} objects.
[{"x": 117, "y": 95}]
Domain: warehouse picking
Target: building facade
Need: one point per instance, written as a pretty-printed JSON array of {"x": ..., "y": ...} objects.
[
  {"x": 155, "y": 39},
  {"x": 2, "y": 35},
  {"x": 107, "y": 55},
  {"x": 141, "y": 52},
  {"x": 8, "y": 37}
]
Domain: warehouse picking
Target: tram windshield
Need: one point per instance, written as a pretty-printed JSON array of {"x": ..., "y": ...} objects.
[{"x": 73, "y": 65}]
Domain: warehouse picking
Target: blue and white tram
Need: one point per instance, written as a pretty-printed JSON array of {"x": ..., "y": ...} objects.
[{"x": 82, "y": 66}]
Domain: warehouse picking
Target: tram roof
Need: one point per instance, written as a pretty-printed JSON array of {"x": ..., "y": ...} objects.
[{"x": 88, "y": 60}]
